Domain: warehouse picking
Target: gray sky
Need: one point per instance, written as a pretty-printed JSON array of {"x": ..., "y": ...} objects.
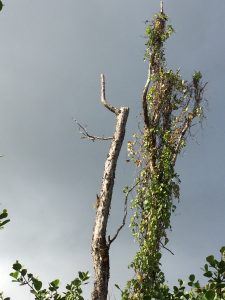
[{"x": 51, "y": 55}]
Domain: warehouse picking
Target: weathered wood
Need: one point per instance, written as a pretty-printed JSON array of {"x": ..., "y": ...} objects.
[
  {"x": 100, "y": 245},
  {"x": 161, "y": 7}
]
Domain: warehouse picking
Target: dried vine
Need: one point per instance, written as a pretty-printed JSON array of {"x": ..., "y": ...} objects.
[{"x": 170, "y": 105}]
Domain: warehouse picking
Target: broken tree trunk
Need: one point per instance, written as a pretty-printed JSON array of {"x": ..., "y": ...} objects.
[{"x": 101, "y": 245}]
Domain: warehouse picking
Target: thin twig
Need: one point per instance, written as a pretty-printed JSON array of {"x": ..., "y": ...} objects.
[
  {"x": 110, "y": 241},
  {"x": 166, "y": 248},
  {"x": 85, "y": 135},
  {"x": 180, "y": 138}
]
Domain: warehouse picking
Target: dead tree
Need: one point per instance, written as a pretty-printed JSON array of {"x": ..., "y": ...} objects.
[{"x": 100, "y": 243}]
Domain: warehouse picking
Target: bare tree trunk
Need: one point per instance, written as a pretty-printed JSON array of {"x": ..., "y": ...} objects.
[{"x": 100, "y": 245}]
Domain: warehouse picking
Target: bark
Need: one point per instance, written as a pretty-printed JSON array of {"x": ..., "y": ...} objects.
[
  {"x": 161, "y": 7},
  {"x": 144, "y": 98},
  {"x": 100, "y": 245}
]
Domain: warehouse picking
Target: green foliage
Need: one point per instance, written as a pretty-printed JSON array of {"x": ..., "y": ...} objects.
[
  {"x": 3, "y": 218},
  {"x": 170, "y": 104},
  {"x": 214, "y": 289},
  {"x": 214, "y": 271},
  {"x": 169, "y": 107},
  {"x": 21, "y": 275},
  {"x": 73, "y": 290}
]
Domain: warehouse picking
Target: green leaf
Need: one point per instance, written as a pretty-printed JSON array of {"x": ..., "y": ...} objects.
[
  {"x": 197, "y": 285},
  {"x": 206, "y": 267},
  {"x": 180, "y": 282},
  {"x": 4, "y": 222},
  {"x": 81, "y": 275},
  {"x": 175, "y": 288},
  {"x": 37, "y": 284},
  {"x": 86, "y": 276},
  {"x": 208, "y": 274},
  {"x": 76, "y": 282},
  {"x": 4, "y": 214},
  {"x": 116, "y": 285},
  {"x": 55, "y": 283},
  {"x": 14, "y": 274},
  {"x": 17, "y": 266},
  {"x": 23, "y": 272},
  {"x": 29, "y": 275},
  {"x": 222, "y": 250},
  {"x": 221, "y": 265},
  {"x": 211, "y": 260},
  {"x": 210, "y": 295},
  {"x": 192, "y": 277}
]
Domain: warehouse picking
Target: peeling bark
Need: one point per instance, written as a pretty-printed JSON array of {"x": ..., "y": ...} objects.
[{"x": 100, "y": 245}]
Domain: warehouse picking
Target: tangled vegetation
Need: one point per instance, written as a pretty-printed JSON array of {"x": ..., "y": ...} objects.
[{"x": 170, "y": 105}]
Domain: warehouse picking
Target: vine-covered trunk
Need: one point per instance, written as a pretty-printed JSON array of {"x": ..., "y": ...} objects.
[{"x": 170, "y": 104}]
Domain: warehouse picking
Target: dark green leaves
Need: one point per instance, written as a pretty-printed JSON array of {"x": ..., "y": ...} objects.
[
  {"x": 15, "y": 275},
  {"x": 55, "y": 284},
  {"x": 3, "y": 218},
  {"x": 211, "y": 260},
  {"x": 208, "y": 274},
  {"x": 222, "y": 250},
  {"x": 83, "y": 276},
  {"x": 17, "y": 266},
  {"x": 1, "y": 5},
  {"x": 192, "y": 277},
  {"x": 210, "y": 295},
  {"x": 37, "y": 284},
  {"x": 73, "y": 290},
  {"x": 4, "y": 214},
  {"x": 117, "y": 286}
]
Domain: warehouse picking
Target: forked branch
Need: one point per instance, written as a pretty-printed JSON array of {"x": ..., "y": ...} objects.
[{"x": 86, "y": 135}]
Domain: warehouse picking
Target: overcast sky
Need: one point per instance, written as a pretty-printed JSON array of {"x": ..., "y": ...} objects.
[{"x": 51, "y": 55}]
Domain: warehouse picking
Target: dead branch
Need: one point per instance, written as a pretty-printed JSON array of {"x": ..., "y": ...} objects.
[
  {"x": 188, "y": 120},
  {"x": 144, "y": 98},
  {"x": 103, "y": 98},
  {"x": 110, "y": 241},
  {"x": 100, "y": 247},
  {"x": 185, "y": 127},
  {"x": 161, "y": 7},
  {"x": 85, "y": 135}
]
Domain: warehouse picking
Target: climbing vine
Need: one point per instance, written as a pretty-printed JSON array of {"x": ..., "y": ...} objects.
[{"x": 170, "y": 105}]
